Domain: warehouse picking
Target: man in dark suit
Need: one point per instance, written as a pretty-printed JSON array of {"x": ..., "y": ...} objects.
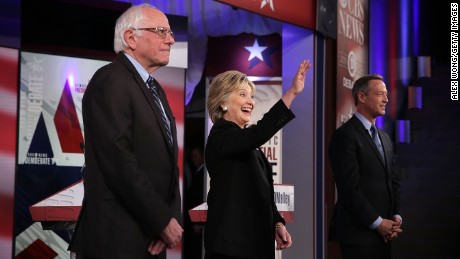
[
  {"x": 366, "y": 216},
  {"x": 131, "y": 207}
]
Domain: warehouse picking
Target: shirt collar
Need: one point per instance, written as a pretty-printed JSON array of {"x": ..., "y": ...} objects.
[
  {"x": 139, "y": 68},
  {"x": 367, "y": 124}
]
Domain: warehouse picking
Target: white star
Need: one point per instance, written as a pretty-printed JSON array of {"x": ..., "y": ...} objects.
[
  {"x": 256, "y": 51},
  {"x": 264, "y": 2}
]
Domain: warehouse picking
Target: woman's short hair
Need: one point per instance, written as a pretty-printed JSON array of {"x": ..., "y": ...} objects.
[
  {"x": 221, "y": 87},
  {"x": 362, "y": 84},
  {"x": 131, "y": 18}
]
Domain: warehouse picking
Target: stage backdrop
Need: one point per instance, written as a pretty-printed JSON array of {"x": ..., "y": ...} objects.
[
  {"x": 50, "y": 133},
  {"x": 352, "y": 53}
]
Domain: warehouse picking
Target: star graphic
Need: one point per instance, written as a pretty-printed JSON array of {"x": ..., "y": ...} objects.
[
  {"x": 255, "y": 51},
  {"x": 265, "y": 2}
]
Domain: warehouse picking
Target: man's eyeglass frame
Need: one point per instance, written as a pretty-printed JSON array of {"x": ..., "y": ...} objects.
[{"x": 160, "y": 31}]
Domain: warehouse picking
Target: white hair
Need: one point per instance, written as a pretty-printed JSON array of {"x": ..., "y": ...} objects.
[{"x": 131, "y": 18}]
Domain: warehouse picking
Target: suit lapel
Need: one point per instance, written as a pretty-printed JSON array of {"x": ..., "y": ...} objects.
[
  {"x": 362, "y": 130},
  {"x": 142, "y": 85},
  {"x": 385, "y": 145}
]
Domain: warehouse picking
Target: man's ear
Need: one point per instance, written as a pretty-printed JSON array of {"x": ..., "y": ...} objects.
[
  {"x": 130, "y": 38},
  {"x": 362, "y": 97}
]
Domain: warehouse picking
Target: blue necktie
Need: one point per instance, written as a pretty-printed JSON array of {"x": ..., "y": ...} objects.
[
  {"x": 375, "y": 138},
  {"x": 156, "y": 96}
]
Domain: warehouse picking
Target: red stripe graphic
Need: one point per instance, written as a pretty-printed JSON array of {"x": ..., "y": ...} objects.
[
  {"x": 67, "y": 125},
  {"x": 37, "y": 250}
]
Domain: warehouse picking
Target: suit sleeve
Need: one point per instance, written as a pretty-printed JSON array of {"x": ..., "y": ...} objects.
[
  {"x": 394, "y": 174},
  {"x": 277, "y": 216},
  {"x": 344, "y": 157},
  {"x": 234, "y": 141}
]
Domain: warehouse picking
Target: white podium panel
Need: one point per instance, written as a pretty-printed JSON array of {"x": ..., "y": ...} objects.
[
  {"x": 284, "y": 200},
  {"x": 64, "y": 205}
]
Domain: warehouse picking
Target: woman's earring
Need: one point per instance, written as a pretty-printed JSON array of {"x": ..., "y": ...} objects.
[{"x": 224, "y": 108}]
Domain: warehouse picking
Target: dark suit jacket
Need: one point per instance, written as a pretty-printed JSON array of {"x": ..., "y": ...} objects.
[
  {"x": 241, "y": 208},
  {"x": 367, "y": 186},
  {"x": 131, "y": 179}
]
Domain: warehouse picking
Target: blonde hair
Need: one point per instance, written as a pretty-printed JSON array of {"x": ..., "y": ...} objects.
[{"x": 221, "y": 87}]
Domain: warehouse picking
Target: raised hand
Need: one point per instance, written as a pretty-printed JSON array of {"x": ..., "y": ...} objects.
[{"x": 298, "y": 83}]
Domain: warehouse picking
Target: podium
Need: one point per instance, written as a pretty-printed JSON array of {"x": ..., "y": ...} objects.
[
  {"x": 59, "y": 211},
  {"x": 284, "y": 200}
]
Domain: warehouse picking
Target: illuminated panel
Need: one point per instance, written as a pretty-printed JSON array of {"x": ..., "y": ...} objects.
[
  {"x": 391, "y": 79},
  {"x": 52, "y": 88},
  {"x": 352, "y": 53}
]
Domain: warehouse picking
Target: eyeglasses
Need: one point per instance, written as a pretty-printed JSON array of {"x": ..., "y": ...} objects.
[{"x": 160, "y": 31}]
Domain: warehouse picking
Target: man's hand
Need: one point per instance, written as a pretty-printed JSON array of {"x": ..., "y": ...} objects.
[
  {"x": 389, "y": 229},
  {"x": 156, "y": 246},
  {"x": 172, "y": 234},
  {"x": 396, "y": 228}
]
